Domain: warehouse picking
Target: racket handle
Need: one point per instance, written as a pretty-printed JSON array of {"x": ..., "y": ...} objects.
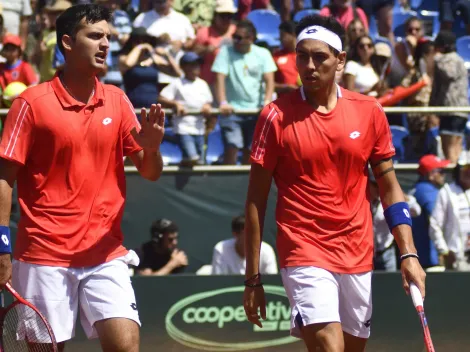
[{"x": 416, "y": 295}]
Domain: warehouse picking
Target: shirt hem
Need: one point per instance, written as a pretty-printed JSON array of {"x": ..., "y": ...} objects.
[{"x": 332, "y": 268}]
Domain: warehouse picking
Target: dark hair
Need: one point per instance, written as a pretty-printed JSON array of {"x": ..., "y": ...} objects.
[
  {"x": 68, "y": 23},
  {"x": 446, "y": 41},
  {"x": 329, "y": 23},
  {"x": 424, "y": 47},
  {"x": 137, "y": 33},
  {"x": 412, "y": 19},
  {"x": 163, "y": 227},
  {"x": 238, "y": 224},
  {"x": 249, "y": 26},
  {"x": 288, "y": 27}
]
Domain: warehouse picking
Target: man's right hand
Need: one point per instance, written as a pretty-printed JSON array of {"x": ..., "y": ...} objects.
[
  {"x": 226, "y": 109},
  {"x": 5, "y": 268},
  {"x": 179, "y": 258},
  {"x": 253, "y": 299}
]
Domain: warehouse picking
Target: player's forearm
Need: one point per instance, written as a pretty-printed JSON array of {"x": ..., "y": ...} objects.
[
  {"x": 254, "y": 218},
  {"x": 166, "y": 270},
  {"x": 151, "y": 166},
  {"x": 6, "y": 192},
  {"x": 268, "y": 94}
]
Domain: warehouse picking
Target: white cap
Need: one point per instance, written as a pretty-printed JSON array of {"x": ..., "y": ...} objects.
[{"x": 225, "y": 6}]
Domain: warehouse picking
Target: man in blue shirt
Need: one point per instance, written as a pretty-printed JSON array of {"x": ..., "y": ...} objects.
[{"x": 426, "y": 190}]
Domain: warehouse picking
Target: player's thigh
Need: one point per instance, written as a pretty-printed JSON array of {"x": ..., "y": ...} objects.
[
  {"x": 106, "y": 293},
  {"x": 314, "y": 299},
  {"x": 118, "y": 335},
  {"x": 355, "y": 307},
  {"x": 53, "y": 290}
]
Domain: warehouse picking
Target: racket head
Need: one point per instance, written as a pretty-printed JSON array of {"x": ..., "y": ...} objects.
[{"x": 24, "y": 328}]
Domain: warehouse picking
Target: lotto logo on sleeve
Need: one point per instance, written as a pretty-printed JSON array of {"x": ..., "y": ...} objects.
[{"x": 407, "y": 213}]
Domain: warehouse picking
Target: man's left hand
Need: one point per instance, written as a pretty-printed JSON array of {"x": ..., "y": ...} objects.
[
  {"x": 411, "y": 271},
  {"x": 151, "y": 134}
]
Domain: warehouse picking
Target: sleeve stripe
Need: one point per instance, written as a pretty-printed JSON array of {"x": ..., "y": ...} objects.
[
  {"x": 132, "y": 109},
  {"x": 262, "y": 137},
  {"x": 17, "y": 128}
]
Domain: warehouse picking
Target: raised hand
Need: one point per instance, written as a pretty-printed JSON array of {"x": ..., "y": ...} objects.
[{"x": 151, "y": 134}]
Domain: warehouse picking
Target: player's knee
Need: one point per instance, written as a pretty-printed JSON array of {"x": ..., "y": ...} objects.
[
  {"x": 126, "y": 343},
  {"x": 329, "y": 340}
]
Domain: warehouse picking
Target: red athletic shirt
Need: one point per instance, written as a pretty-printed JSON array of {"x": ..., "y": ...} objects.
[
  {"x": 319, "y": 163},
  {"x": 71, "y": 185},
  {"x": 19, "y": 72}
]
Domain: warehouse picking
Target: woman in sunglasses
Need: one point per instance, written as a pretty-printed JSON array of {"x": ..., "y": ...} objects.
[{"x": 361, "y": 73}]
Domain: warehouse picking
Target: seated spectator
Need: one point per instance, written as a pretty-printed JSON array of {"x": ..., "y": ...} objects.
[
  {"x": 450, "y": 88},
  {"x": 15, "y": 69},
  {"x": 140, "y": 64},
  {"x": 450, "y": 220},
  {"x": 354, "y": 30},
  {"x": 383, "y": 12},
  {"x": 384, "y": 246},
  {"x": 171, "y": 28},
  {"x": 209, "y": 40},
  {"x": 240, "y": 71},
  {"x": 431, "y": 179},
  {"x": 403, "y": 58},
  {"x": 345, "y": 11},
  {"x": 161, "y": 256},
  {"x": 189, "y": 93},
  {"x": 361, "y": 73},
  {"x": 286, "y": 76},
  {"x": 229, "y": 255}
]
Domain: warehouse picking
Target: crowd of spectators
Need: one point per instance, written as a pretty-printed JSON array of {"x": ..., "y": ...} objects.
[{"x": 196, "y": 55}]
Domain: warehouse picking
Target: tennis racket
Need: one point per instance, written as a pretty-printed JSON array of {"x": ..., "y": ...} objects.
[
  {"x": 419, "y": 305},
  {"x": 22, "y": 327}
]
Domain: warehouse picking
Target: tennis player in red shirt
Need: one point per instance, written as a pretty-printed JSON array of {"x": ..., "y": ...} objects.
[
  {"x": 316, "y": 143},
  {"x": 64, "y": 142}
]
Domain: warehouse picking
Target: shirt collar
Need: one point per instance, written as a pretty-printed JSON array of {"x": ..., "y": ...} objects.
[
  {"x": 339, "y": 94},
  {"x": 68, "y": 101}
]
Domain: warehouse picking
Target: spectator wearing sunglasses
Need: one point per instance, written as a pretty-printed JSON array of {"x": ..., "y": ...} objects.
[
  {"x": 210, "y": 39},
  {"x": 431, "y": 179},
  {"x": 244, "y": 80},
  {"x": 450, "y": 220}
]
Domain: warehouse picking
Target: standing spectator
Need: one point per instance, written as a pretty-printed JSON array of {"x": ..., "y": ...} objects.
[
  {"x": 361, "y": 74},
  {"x": 450, "y": 220},
  {"x": 16, "y": 15},
  {"x": 286, "y": 76},
  {"x": 354, "y": 30},
  {"x": 140, "y": 64},
  {"x": 431, "y": 180},
  {"x": 450, "y": 88},
  {"x": 345, "y": 11},
  {"x": 189, "y": 93},
  {"x": 384, "y": 244},
  {"x": 229, "y": 255},
  {"x": 209, "y": 40},
  {"x": 240, "y": 71},
  {"x": 15, "y": 69},
  {"x": 161, "y": 256},
  {"x": 171, "y": 28}
]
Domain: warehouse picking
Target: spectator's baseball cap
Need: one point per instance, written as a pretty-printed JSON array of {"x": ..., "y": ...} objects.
[
  {"x": 58, "y": 6},
  {"x": 190, "y": 58},
  {"x": 12, "y": 39},
  {"x": 225, "y": 6},
  {"x": 382, "y": 49},
  {"x": 430, "y": 162}
]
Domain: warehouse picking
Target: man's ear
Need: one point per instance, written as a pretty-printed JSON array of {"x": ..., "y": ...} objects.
[
  {"x": 342, "y": 60},
  {"x": 67, "y": 42}
]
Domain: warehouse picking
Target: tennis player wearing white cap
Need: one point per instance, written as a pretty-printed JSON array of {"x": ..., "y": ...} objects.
[{"x": 316, "y": 142}]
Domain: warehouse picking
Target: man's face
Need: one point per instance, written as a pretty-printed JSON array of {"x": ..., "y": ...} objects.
[
  {"x": 437, "y": 177},
  {"x": 170, "y": 241},
  {"x": 162, "y": 6},
  {"x": 287, "y": 40},
  {"x": 90, "y": 46},
  {"x": 242, "y": 40},
  {"x": 11, "y": 52},
  {"x": 316, "y": 64}
]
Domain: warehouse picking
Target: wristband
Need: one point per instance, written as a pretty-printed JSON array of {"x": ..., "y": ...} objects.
[
  {"x": 5, "y": 242},
  {"x": 397, "y": 214},
  {"x": 223, "y": 102},
  {"x": 254, "y": 281},
  {"x": 408, "y": 255}
]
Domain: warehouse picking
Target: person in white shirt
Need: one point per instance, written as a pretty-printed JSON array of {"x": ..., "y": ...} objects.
[
  {"x": 450, "y": 220},
  {"x": 384, "y": 246},
  {"x": 189, "y": 93},
  {"x": 229, "y": 255}
]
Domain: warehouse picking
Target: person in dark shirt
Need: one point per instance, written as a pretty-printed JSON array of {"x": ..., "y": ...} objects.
[{"x": 160, "y": 256}]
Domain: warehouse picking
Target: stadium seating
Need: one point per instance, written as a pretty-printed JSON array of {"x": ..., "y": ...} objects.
[
  {"x": 267, "y": 25},
  {"x": 171, "y": 153},
  {"x": 306, "y": 12},
  {"x": 463, "y": 49},
  {"x": 399, "y": 19},
  {"x": 399, "y": 133},
  {"x": 431, "y": 22},
  {"x": 324, "y": 3},
  {"x": 429, "y": 5},
  {"x": 215, "y": 146}
]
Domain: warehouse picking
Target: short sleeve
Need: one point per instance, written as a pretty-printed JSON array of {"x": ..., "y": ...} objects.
[
  {"x": 351, "y": 68},
  {"x": 221, "y": 62},
  {"x": 128, "y": 123},
  {"x": 268, "y": 62},
  {"x": 265, "y": 145},
  {"x": 27, "y": 10},
  {"x": 169, "y": 92},
  {"x": 18, "y": 133},
  {"x": 190, "y": 33},
  {"x": 383, "y": 145},
  {"x": 207, "y": 93}
]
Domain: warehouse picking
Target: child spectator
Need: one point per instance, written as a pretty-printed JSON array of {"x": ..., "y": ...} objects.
[
  {"x": 189, "y": 92},
  {"x": 286, "y": 76},
  {"x": 15, "y": 69}
]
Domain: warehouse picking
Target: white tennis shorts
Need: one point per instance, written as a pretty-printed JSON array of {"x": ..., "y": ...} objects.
[
  {"x": 319, "y": 296},
  {"x": 100, "y": 292}
]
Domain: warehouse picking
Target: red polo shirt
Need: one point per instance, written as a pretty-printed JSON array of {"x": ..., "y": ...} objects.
[
  {"x": 71, "y": 185},
  {"x": 319, "y": 163}
]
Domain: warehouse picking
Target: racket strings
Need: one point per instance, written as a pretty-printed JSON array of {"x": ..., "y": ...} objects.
[{"x": 25, "y": 331}]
